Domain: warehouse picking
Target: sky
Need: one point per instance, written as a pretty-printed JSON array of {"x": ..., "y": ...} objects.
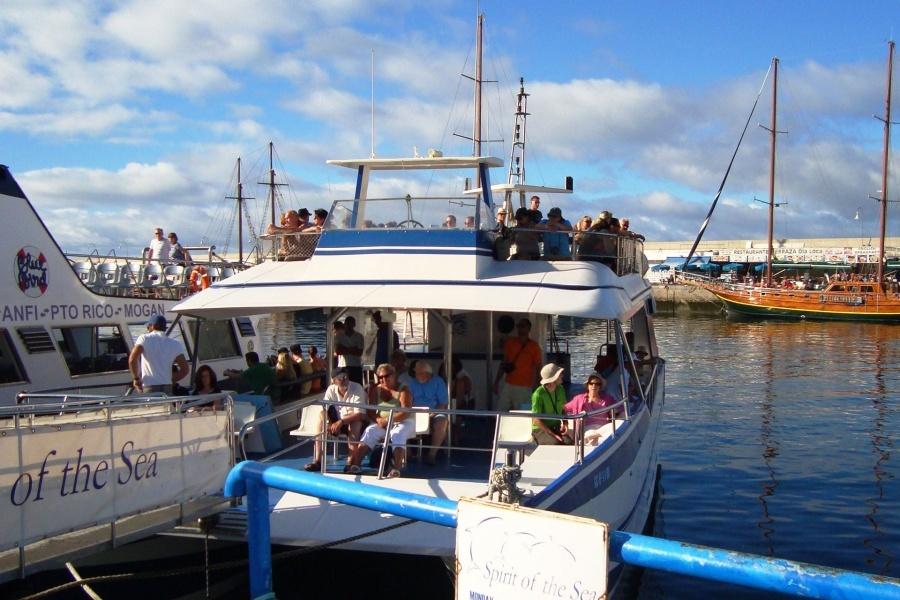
[{"x": 118, "y": 117}]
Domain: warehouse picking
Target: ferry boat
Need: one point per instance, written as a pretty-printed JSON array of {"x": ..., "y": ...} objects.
[
  {"x": 67, "y": 325},
  {"x": 391, "y": 255},
  {"x": 863, "y": 297}
]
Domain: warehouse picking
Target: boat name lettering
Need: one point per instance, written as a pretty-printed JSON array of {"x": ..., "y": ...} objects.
[
  {"x": 31, "y": 271},
  {"x": 601, "y": 477},
  {"x": 82, "y": 476},
  {"x": 71, "y": 312}
]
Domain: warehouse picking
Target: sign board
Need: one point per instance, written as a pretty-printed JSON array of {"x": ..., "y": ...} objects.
[
  {"x": 71, "y": 471},
  {"x": 510, "y": 552}
]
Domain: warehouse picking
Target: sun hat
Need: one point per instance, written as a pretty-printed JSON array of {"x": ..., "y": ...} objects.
[{"x": 550, "y": 372}]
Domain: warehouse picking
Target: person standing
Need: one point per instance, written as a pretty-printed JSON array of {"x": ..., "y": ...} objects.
[
  {"x": 519, "y": 369},
  {"x": 179, "y": 255},
  {"x": 386, "y": 339},
  {"x": 152, "y": 357},
  {"x": 160, "y": 249},
  {"x": 536, "y": 215},
  {"x": 349, "y": 346}
]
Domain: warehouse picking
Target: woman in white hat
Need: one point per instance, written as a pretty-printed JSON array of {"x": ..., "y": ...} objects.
[{"x": 550, "y": 399}]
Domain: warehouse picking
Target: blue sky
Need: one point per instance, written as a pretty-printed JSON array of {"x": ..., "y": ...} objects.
[{"x": 119, "y": 116}]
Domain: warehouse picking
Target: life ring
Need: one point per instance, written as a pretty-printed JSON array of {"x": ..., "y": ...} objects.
[{"x": 199, "y": 279}]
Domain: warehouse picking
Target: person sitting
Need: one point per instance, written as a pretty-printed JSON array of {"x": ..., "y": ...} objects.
[
  {"x": 398, "y": 361},
  {"x": 595, "y": 398},
  {"x": 258, "y": 377},
  {"x": 388, "y": 394},
  {"x": 469, "y": 222},
  {"x": 450, "y": 222},
  {"x": 525, "y": 241},
  {"x": 556, "y": 243},
  {"x": 205, "y": 382},
  {"x": 318, "y": 365},
  {"x": 549, "y": 398},
  {"x": 303, "y": 369},
  {"x": 430, "y": 390},
  {"x": 347, "y": 420}
]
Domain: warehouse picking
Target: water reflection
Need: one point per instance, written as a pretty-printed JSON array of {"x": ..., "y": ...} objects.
[
  {"x": 881, "y": 445},
  {"x": 769, "y": 446}
]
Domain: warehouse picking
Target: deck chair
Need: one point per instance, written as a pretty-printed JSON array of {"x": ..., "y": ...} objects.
[
  {"x": 515, "y": 433},
  {"x": 107, "y": 276},
  {"x": 85, "y": 272},
  {"x": 423, "y": 428},
  {"x": 310, "y": 428}
]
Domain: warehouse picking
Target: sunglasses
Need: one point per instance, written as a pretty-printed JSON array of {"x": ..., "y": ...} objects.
[
  {"x": 380, "y": 376},
  {"x": 594, "y": 383}
]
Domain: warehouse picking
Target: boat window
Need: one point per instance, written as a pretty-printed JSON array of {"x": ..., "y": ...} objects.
[
  {"x": 92, "y": 349},
  {"x": 837, "y": 288},
  {"x": 177, "y": 333},
  {"x": 245, "y": 326},
  {"x": 11, "y": 370},
  {"x": 217, "y": 339}
]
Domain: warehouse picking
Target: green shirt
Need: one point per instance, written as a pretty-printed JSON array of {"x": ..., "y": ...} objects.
[
  {"x": 259, "y": 377},
  {"x": 543, "y": 402}
]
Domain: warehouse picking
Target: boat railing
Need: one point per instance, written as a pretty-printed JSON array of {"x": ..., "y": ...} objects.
[
  {"x": 623, "y": 254},
  {"x": 323, "y": 435},
  {"x": 289, "y": 246},
  {"x": 409, "y": 212}
]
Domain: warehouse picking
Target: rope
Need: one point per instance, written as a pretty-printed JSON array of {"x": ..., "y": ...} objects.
[{"x": 219, "y": 567}]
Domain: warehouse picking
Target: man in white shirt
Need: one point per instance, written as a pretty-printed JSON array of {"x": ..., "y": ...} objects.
[
  {"x": 152, "y": 357},
  {"x": 160, "y": 249},
  {"x": 348, "y": 420}
]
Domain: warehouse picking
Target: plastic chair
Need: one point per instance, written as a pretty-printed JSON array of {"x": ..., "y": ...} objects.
[
  {"x": 226, "y": 272},
  {"x": 85, "y": 272},
  {"x": 154, "y": 278},
  {"x": 214, "y": 273},
  {"x": 107, "y": 275},
  {"x": 130, "y": 275},
  {"x": 311, "y": 427}
]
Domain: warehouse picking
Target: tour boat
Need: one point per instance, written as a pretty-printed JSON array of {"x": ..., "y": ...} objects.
[
  {"x": 862, "y": 297},
  {"x": 392, "y": 255},
  {"x": 67, "y": 324}
]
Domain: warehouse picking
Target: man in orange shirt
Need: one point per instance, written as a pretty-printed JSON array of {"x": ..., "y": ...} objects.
[{"x": 521, "y": 364}]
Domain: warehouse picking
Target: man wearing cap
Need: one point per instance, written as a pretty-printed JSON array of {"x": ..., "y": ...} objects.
[
  {"x": 303, "y": 218},
  {"x": 521, "y": 360},
  {"x": 525, "y": 240},
  {"x": 347, "y": 420},
  {"x": 550, "y": 399},
  {"x": 152, "y": 357},
  {"x": 320, "y": 215},
  {"x": 556, "y": 244}
]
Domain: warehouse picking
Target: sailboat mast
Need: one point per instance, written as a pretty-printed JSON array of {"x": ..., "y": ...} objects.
[
  {"x": 476, "y": 130},
  {"x": 770, "y": 250},
  {"x": 240, "y": 212},
  {"x": 272, "y": 181},
  {"x": 884, "y": 165}
]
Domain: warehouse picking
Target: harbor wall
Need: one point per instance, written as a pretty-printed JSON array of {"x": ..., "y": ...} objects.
[{"x": 679, "y": 298}]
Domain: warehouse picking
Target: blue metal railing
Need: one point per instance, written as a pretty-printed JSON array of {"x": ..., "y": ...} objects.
[{"x": 254, "y": 479}]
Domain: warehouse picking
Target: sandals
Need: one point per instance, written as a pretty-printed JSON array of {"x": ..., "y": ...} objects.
[
  {"x": 393, "y": 473},
  {"x": 313, "y": 466},
  {"x": 352, "y": 469}
]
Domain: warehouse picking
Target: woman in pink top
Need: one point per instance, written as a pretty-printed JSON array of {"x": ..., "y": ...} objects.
[{"x": 593, "y": 399}]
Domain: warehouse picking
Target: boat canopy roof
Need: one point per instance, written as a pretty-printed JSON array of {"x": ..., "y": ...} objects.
[
  {"x": 522, "y": 188},
  {"x": 424, "y": 162}
]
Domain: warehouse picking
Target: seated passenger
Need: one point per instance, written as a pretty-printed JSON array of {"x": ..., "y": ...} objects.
[
  {"x": 449, "y": 222},
  {"x": 389, "y": 394},
  {"x": 257, "y": 376},
  {"x": 550, "y": 399},
  {"x": 556, "y": 243},
  {"x": 284, "y": 367},
  {"x": 347, "y": 420},
  {"x": 318, "y": 364},
  {"x": 469, "y": 222},
  {"x": 430, "y": 390},
  {"x": 595, "y": 398},
  {"x": 525, "y": 241},
  {"x": 290, "y": 224},
  {"x": 303, "y": 368},
  {"x": 205, "y": 382}
]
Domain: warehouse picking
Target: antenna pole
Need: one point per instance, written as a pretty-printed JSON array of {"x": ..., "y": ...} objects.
[
  {"x": 373, "y": 103},
  {"x": 885, "y": 165},
  {"x": 774, "y": 132}
]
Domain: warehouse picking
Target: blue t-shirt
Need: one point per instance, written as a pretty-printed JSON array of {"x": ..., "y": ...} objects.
[
  {"x": 431, "y": 393},
  {"x": 556, "y": 243}
]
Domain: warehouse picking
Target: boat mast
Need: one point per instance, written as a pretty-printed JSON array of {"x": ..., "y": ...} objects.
[
  {"x": 476, "y": 129},
  {"x": 272, "y": 181},
  {"x": 884, "y": 165},
  {"x": 773, "y": 132},
  {"x": 517, "y": 153},
  {"x": 240, "y": 215}
]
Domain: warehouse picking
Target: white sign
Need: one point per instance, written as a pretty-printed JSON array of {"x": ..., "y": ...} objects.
[
  {"x": 515, "y": 553},
  {"x": 66, "y": 472}
]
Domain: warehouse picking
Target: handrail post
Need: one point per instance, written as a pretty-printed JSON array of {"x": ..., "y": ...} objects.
[{"x": 259, "y": 542}]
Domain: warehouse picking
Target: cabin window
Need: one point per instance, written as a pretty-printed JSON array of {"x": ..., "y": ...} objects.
[
  {"x": 177, "y": 333},
  {"x": 11, "y": 370},
  {"x": 216, "y": 339},
  {"x": 92, "y": 349}
]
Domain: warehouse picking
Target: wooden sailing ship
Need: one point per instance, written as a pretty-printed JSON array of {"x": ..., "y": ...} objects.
[{"x": 872, "y": 297}]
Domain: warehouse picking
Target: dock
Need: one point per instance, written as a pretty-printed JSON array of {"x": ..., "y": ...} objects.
[{"x": 679, "y": 298}]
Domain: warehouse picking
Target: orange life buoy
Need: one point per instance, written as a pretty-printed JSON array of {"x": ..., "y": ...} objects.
[{"x": 199, "y": 279}]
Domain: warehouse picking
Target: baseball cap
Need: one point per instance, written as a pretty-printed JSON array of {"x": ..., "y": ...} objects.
[{"x": 157, "y": 321}]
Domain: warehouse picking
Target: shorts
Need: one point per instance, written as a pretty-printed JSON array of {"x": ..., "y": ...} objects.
[
  {"x": 514, "y": 397},
  {"x": 400, "y": 432}
]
